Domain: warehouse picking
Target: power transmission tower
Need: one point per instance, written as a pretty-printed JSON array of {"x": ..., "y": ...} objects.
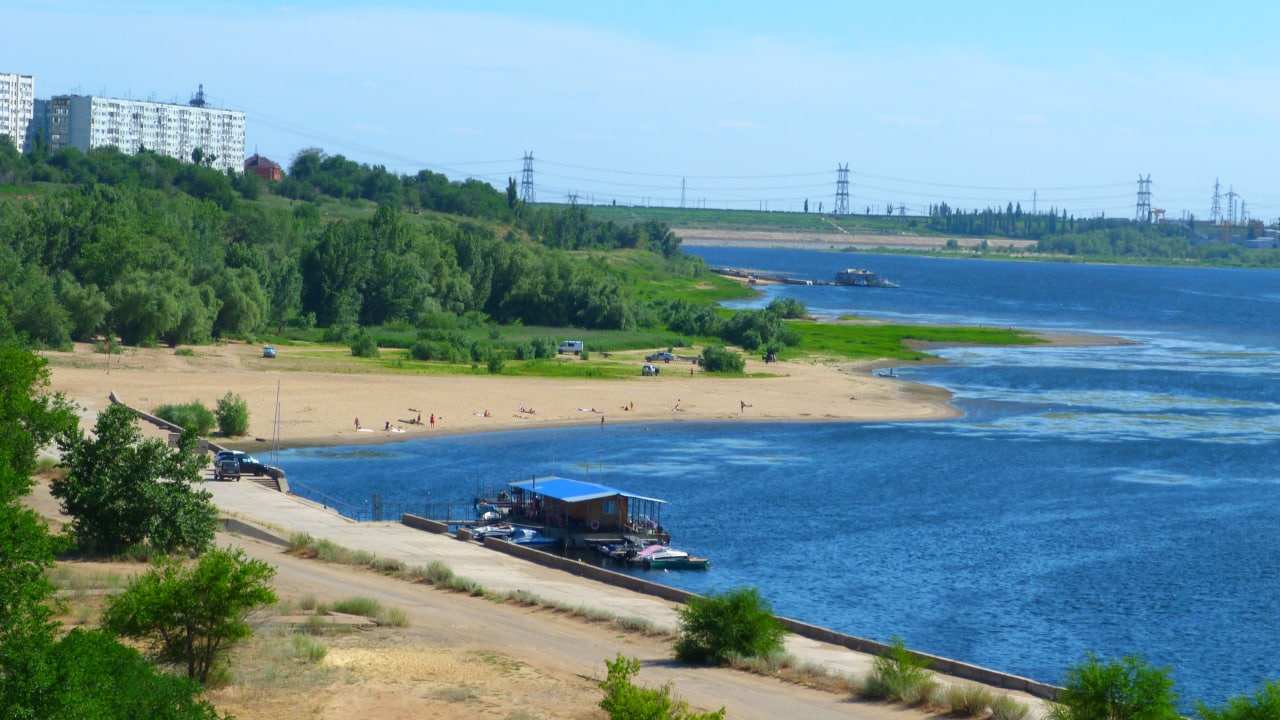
[
  {"x": 572, "y": 197},
  {"x": 842, "y": 190},
  {"x": 1231, "y": 204},
  {"x": 1215, "y": 212},
  {"x": 681, "y": 193},
  {"x": 526, "y": 179},
  {"x": 1143, "y": 213}
]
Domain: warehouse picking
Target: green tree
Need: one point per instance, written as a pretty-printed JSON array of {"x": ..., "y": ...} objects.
[
  {"x": 1124, "y": 689},
  {"x": 363, "y": 345},
  {"x": 29, "y": 420},
  {"x": 1262, "y": 705},
  {"x": 192, "y": 416},
  {"x": 189, "y": 613},
  {"x": 718, "y": 359},
  {"x": 233, "y": 415},
  {"x": 717, "y": 626},
  {"x": 624, "y": 700},
  {"x": 124, "y": 491}
]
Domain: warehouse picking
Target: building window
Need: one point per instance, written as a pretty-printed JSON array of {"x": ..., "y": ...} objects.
[{"x": 609, "y": 507}]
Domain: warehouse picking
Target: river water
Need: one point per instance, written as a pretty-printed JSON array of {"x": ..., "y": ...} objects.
[{"x": 1114, "y": 499}]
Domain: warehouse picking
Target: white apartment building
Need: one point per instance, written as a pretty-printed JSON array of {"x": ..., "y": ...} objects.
[
  {"x": 17, "y": 103},
  {"x": 86, "y": 122}
]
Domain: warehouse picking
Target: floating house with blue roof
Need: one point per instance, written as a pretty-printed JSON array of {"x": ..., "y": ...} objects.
[{"x": 583, "y": 514}]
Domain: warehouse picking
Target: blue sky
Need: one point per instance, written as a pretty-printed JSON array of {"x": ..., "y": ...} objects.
[{"x": 750, "y": 104}]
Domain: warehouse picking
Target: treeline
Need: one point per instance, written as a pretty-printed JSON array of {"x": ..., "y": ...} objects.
[
  {"x": 314, "y": 174},
  {"x": 156, "y": 251}
]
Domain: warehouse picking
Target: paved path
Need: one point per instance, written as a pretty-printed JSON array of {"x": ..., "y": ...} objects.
[{"x": 287, "y": 514}]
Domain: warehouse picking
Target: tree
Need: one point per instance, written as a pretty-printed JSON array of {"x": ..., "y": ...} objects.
[
  {"x": 738, "y": 622},
  {"x": 125, "y": 491},
  {"x": 29, "y": 420},
  {"x": 624, "y": 700},
  {"x": 188, "y": 613},
  {"x": 1124, "y": 689},
  {"x": 233, "y": 415}
]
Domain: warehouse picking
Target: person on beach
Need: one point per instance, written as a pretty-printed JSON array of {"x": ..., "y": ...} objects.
[
  {"x": 433, "y": 421},
  {"x": 419, "y": 420},
  {"x": 357, "y": 423},
  {"x": 387, "y": 426}
]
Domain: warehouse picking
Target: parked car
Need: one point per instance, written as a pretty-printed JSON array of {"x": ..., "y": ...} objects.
[
  {"x": 663, "y": 356},
  {"x": 648, "y": 370},
  {"x": 227, "y": 469},
  {"x": 570, "y": 346},
  {"x": 268, "y": 351},
  {"x": 250, "y": 465},
  {"x": 229, "y": 455}
]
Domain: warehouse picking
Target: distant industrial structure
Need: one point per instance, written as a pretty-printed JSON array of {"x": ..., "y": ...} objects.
[
  {"x": 842, "y": 190},
  {"x": 17, "y": 107}
]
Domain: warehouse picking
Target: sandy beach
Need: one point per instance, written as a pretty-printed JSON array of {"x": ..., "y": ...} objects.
[{"x": 320, "y": 400}]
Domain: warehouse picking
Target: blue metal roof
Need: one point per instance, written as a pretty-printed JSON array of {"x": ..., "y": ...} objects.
[{"x": 572, "y": 491}]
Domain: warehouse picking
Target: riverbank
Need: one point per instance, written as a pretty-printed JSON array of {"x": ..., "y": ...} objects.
[
  {"x": 320, "y": 403},
  {"x": 835, "y": 240}
]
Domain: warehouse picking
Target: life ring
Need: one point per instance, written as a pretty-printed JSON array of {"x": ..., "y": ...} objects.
[{"x": 595, "y": 524}]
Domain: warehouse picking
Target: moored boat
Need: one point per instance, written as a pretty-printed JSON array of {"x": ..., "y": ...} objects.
[{"x": 663, "y": 557}]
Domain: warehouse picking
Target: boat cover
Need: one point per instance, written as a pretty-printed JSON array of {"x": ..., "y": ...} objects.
[{"x": 572, "y": 491}]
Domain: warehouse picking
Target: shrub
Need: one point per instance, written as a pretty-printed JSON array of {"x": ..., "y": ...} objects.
[
  {"x": 1263, "y": 705},
  {"x": 233, "y": 414},
  {"x": 736, "y": 622},
  {"x": 495, "y": 363},
  {"x": 624, "y": 700},
  {"x": 1124, "y": 689},
  {"x": 363, "y": 345},
  {"x": 899, "y": 675},
  {"x": 367, "y": 607},
  {"x": 192, "y": 416},
  {"x": 304, "y": 648},
  {"x": 717, "y": 359}
]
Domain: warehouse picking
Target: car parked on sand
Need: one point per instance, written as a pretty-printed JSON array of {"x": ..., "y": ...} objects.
[
  {"x": 268, "y": 351},
  {"x": 662, "y": 356},
  {"x": 648, "y": 370}
]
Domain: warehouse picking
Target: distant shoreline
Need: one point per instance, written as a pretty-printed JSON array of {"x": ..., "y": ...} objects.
[{"x": 691, "y": 237}]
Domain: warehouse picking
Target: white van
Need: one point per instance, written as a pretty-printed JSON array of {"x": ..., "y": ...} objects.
[{"x": 570, "y": 346}]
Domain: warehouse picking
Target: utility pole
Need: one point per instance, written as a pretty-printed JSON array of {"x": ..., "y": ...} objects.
[
  {"x": 526, "y": 179},
  {"x": 681, "y": 193},
  {"x": 842, "y": 190},
  {"x": 1034, "y": 193}
]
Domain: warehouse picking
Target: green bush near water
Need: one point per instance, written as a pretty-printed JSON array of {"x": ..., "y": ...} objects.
[
  {"x": 1124, "y": 689},
  {"x": 192, "y": 415},
  {"x": 1262, "y": 705},
  {"x": 715, "y": 627},
  {"x": 900, "y": 675}
]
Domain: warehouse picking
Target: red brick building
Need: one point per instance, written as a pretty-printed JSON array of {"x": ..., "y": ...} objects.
[{"x": 264, "y": 168}]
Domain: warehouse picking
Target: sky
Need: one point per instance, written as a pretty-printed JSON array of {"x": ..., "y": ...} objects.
[{"x": 736, "y": 104}]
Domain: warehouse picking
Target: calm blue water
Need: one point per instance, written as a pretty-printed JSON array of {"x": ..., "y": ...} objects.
[{"x": 1113, "y": 499}]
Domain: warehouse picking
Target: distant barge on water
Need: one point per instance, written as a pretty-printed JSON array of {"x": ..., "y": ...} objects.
[{"x": 849, "y": 276}]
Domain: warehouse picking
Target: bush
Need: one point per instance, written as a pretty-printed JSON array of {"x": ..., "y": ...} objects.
[
  {"x": 900, "y": 675},
  {"x": 1263, "y": 705},
  {"x": 233, "y": 415},
  {"x": 192, "y": 416},
  {"x": 495, "y": 363},
  {"x": 717, "y": 359},
  {"x": 624, "y": 700},
  {"x": 738, "y": 622},
  {"x": 1124, "y": 689},
  {"x": 363, "y": 345}
]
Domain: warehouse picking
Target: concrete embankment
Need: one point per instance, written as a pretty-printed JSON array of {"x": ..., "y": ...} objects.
[{"x": 945, "y": 666}]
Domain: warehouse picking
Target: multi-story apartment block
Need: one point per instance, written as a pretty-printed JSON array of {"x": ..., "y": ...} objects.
[
  {"x": 17, "y": 101},
  {"x": 86, "y": 122}
]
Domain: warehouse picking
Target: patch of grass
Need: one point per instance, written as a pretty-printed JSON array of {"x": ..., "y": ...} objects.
[
  {"x": 368, "y": 607},
  {"x": 459, "y": 693},
  {"x": 305, "y": 648},
  {"x": 307, "y": 603},
  {"x": 185, "y": 352},
  {"x": 1004, "y": 707},
  {"x": 967, "y": 700},
  {"x": 868, "y": 342}
]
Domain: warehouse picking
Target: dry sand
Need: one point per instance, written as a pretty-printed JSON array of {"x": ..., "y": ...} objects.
[{"x": 320, "y": 398}]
